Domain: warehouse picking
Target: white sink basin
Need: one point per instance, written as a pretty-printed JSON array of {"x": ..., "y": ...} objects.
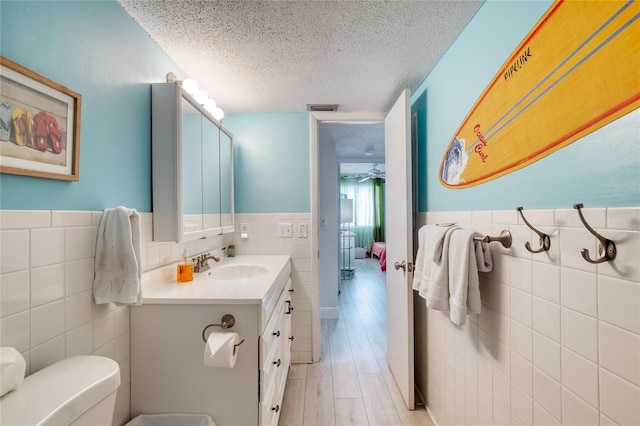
[{"x": 237, "y": 272}]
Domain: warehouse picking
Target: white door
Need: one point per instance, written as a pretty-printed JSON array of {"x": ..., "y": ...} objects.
[{"x": 398, "y": 229}]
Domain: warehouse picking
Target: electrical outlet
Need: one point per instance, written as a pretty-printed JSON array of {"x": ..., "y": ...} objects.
[
  {"x": 285, "y": 230},
  {"x": 244, "y": 230},
  {"x": 303, "y": 230}
]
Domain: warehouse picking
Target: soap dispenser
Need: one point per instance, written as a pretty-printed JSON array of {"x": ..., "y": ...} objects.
[{"x": 185, "y": 269}]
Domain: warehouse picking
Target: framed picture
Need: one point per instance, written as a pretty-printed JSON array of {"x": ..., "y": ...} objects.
[{"x": 39, "y": 125}]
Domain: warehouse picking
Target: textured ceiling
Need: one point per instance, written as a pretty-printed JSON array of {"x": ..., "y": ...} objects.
[{"x": 279, "y": 56}]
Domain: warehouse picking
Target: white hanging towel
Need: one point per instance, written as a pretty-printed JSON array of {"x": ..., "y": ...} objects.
[
  {"x": 466, "y": 258},
  {"x": 431, "y": 272},
  {"x": 118, "y": 267}
]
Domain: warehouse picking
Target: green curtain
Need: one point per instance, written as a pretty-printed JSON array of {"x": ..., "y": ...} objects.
[{"x": 378, "y": 209}]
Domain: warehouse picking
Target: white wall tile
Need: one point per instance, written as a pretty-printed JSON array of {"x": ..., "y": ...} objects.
[
  {"x": 580, "y": 376},
  {"x": 79, "y": 309},
  {"x": 14, "y": 331},
  {"x": 14, "y": 293},
  {"x": 80, "y": 243},
  {"x": 501, "y": 413},
  {"x": 522, "y": 340},
  {"x": 620, "y": 352},
  {"x": 627, "y": 218},
  {"x": 546, "y": 356},
  {"x": 595, "y": 217},
  {"x": 521, "y": 274},
  {"x": 103, "y": 329},
  {"x": 542, "y": 417},
  {"x": 79, "y": 276},
  {"x": 122, "y": 318},
  {"x": 521, "y": 307},
  {"x": 501, "y": 386},
  {"x": 79, "y": 341},
  {"x": 546, "y": 281},
  {"x": 547, "y": 392},
  {"x": 579, "y": 291},
  {"x": 62, "y": 218},
  {"x": 576, "y": 412},
  {"x": 47, "y": 353},
  {"x": 47, "y": 284},
  {"x": 47, "y": 246},
  {"x": 23, "y": 219},
  {"x": 47, "y": 322},
  {"x": 502, "y": 328},
  {"x": 14, "y": 250},
  {"x": 522, "y": 373},
  {"x": 521, "y": 405},
  {"x": 619, "y": 399},
  {"x": 619, "y": 303},
  {"x": 580, "y": 334},
  {"x": 546, "y": 318}
]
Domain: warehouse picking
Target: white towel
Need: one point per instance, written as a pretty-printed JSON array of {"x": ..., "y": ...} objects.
[
  {"x": 431, "y": 273},
  {"x": 466, "y": 258},
  {"x": 118, "y": 267}
]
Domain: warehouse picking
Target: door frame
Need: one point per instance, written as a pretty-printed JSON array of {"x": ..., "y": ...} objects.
[{"x": 315, "y": 119}]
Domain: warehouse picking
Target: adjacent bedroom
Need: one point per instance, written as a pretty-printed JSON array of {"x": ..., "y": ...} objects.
[{"x": 362, "y": 233}]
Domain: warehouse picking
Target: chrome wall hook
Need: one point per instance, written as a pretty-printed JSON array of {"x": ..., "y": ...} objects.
[
  {"x": 607, "y": 248},
  {"x": 545, "y": 240}
]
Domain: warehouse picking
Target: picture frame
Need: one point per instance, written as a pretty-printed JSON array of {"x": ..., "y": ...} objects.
[{"x": 39, "y": 125}]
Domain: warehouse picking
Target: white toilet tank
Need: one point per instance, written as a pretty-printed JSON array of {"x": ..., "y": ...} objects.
[{"x": 80, "y": 390}]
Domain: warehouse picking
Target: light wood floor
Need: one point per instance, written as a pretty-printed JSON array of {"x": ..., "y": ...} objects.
[{"x": 352, "y": 384}]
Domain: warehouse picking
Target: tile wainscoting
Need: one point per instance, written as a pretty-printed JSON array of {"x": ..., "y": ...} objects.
[
  {"x": 46, "y": 303},
  {"x": 558, "y": 339}
]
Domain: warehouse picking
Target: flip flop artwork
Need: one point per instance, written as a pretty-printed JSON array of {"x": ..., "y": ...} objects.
[
  {"x": 19, "y": 126},
  {"x": 5, "y": 120}
]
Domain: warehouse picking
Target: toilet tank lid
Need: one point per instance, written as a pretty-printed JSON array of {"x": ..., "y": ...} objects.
[{"x": 61, "y": 392}]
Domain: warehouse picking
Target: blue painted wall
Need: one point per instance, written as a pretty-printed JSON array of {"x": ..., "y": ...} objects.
[
  {"x": 271, "y": 162},
  {"x": 96, "y": 49},
  {"x": 601, "y": 169}
]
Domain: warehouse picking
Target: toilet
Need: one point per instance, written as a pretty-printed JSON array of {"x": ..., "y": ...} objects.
[{"x": 80, "y": 390}]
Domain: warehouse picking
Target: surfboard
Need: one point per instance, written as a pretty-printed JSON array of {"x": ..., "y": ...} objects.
[{"x": 576, "y": 71}]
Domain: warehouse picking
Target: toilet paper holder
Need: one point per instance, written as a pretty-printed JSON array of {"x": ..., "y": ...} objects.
[{"x": 227, "y": 321}]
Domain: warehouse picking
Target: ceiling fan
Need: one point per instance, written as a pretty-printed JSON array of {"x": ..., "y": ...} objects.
[{"x": 373, "y": 174}]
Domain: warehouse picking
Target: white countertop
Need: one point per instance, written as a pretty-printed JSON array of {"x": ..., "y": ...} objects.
[{"x": 160, "y": 286}]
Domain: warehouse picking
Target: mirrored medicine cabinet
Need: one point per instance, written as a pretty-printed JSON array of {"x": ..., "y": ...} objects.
[{"x": 192, "y": 168}]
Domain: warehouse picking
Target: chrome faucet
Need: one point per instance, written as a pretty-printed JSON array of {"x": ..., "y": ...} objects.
[{"x": 200, "y": 263}]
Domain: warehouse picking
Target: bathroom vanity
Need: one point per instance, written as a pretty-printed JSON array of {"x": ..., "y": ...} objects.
[{"x": 167, "y": 341}]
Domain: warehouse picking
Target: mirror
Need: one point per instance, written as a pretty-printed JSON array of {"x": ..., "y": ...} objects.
[{"x": 192, "y": 168}]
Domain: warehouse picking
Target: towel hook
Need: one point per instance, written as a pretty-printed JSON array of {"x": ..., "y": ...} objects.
[
  {"x": 545, "y": 241},
  {"x": 607, "y": 248}
]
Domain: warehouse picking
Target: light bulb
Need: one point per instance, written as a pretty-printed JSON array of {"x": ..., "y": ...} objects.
[
  {"x": 210, "y": 105},
  {"x": 200, "y": 96},
  {"x": 190, "y": 86},
  {"x": 218, "y": 114}
]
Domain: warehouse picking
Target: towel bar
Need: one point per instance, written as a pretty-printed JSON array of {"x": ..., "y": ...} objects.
[{"x": 504, "y": 238}]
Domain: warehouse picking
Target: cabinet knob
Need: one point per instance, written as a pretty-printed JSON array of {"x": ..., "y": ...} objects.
[
  {"x": 291, "y": 290},
  {"x": 277, "y": 333},
  {"x": 291, "y": 338},
  {"x": 277, "y": 363},
  {"x": 276, "y": 408}
]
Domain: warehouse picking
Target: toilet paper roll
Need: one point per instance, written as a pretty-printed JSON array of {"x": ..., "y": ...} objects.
[
  {"x": 12, "y": 369},
  {"x": 218, "y": 352}
]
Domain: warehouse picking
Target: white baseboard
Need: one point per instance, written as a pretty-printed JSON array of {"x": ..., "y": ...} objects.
[{"x": 328, "y": 313}]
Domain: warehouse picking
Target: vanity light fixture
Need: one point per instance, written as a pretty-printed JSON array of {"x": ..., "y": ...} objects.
[{"x": 191, "y": 87}]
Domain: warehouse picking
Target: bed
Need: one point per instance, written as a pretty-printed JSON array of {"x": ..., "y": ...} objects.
[{"x": 379, "y": 250}]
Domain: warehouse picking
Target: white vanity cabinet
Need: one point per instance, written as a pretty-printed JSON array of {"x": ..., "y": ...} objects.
[{"x": 167, "y": 348}]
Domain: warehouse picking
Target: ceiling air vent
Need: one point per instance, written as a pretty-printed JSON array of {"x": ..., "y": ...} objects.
[{"x": 322, "y": 107}]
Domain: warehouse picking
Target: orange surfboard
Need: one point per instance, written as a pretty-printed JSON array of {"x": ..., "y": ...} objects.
[{"x": 576, "y": 71}]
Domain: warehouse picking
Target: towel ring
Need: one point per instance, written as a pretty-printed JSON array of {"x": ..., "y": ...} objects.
[{"x": 228, "y": 321}]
